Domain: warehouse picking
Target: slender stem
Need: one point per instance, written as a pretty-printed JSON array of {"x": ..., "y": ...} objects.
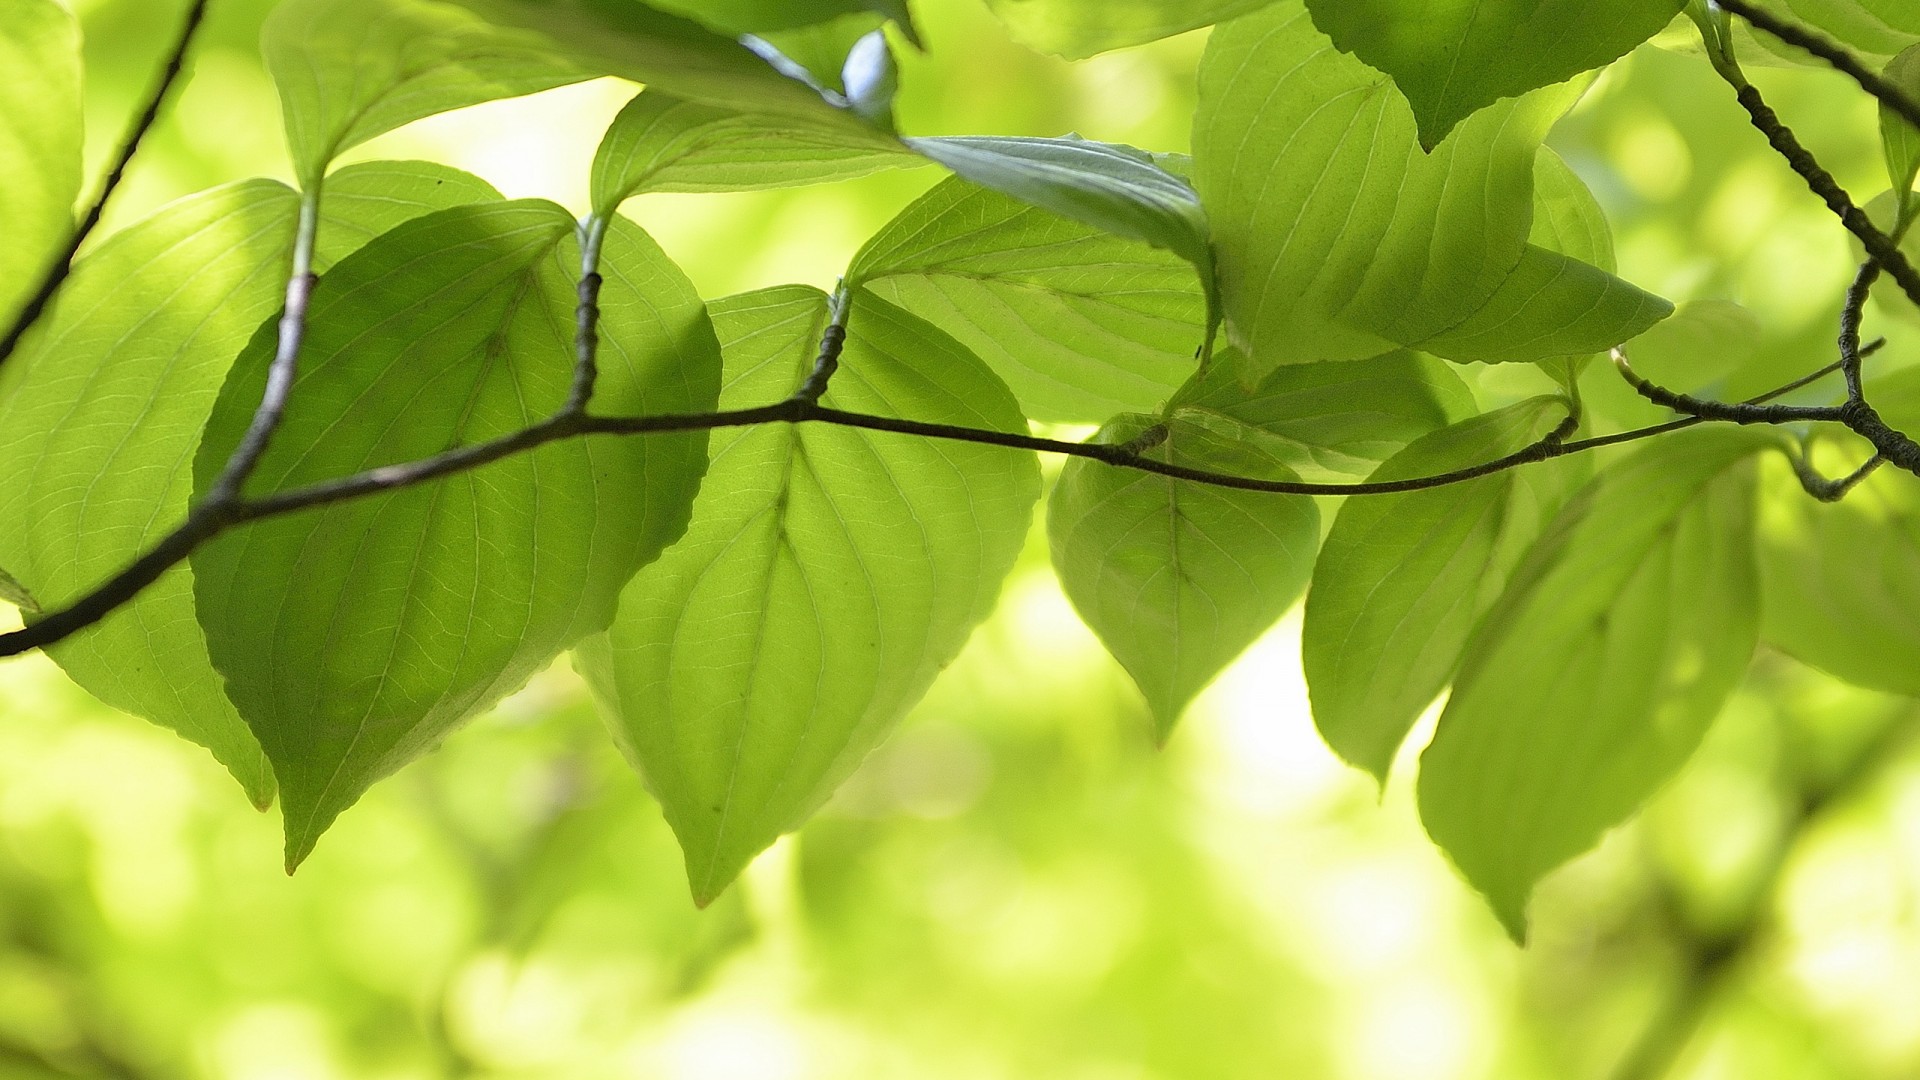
[
  {"x": 833, "y": 343},
  {"x": 1852, "y": 313},
  {"x": 1881, "y": 248},
  {"x": 212, "y": 518},
  {"x": 285, "y": 367},
  {"x": 1837, "y": 56},
  {"x": 56, "y": 275},
  {"x": 1742, "y": 413},
  {"x": 1827, "y": 490},
  {"x": 586, "y": 336}
]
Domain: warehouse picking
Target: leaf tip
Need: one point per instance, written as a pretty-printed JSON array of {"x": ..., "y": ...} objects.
[
  {"x": 712, "y": 870},
  {"x": 706, "y": 889},
  {"x": 1513, "y": 918}
]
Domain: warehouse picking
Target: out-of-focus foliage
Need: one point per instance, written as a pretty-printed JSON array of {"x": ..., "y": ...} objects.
[{"x": 1017, "y": 885}]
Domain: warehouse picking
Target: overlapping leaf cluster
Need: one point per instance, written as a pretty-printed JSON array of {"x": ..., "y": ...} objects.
[{"x": 1368, "y": 220}]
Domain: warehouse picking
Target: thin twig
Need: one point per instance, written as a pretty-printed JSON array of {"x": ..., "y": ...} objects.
[
  {"x": 833, "y": 343},
  {"x": 1852, "y": 313},
  {"x": 285, "y": 367},
  {"x": 1836, "y": 55},
  {"x": 1741, "y": 413},
  {"x": 207, "y": 523},
  {"x": 213, "y": 517},
  {"x": 1880, "y": 247},
  {"x": 586, "y": 336},
  {"x": 1827, "y": 490},
  {"x": 62, "y": 267},
  {"x": 1637, "y": 434}
]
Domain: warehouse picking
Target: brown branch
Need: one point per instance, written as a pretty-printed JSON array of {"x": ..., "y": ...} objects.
[
  {"x": 1827, "y": 490},
  {"x": 211, "y": 519},
  {"x": 1881, "y": 247},
  {"x": 56, "y": 275},
  {"x": 1835, "y": 55},
  {"x": 833, "y": 342},
  {"x": 586, "y": 334},
  {"x": 1701, "y": 408},
  {"x": 1852, "y": 313}
]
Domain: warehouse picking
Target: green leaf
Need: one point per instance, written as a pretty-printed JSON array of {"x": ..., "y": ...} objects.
[
  {"x": 1562, "y": 300},
  {"x": 1566, "y": 217},
  {"x": 1900, "y": 139},
  {"x": 1452, "y": 60},
  {"x": 1115, "y": 188},
  {"x": 40, "y": 142},
  {"x": 1841, "y": 580},
  {"x": 1077, "y": 29},
  {"x": 1178, "y": 578},
  {"x": 766, "y": 16},
  {"x": 103, "y": 416},
  {"x": 1879, "y": 27},
  {"x": 98, "y": 422},
  {"x": 1551, "y": 306},
  {"x": 1704, "y": 341},
  {"x": 370, "y": 199},
  {"x": 660, "y": 143},
  {"x": 829, "y": 574},
  {"x": 635, "y": 41},
  {"x": 1331, "y": 422},
  {"x": 1081, "y": 323},
  {"x": 355, "y": 636},
  {"x": 12, "y": 592},
  {"x": 1337, "y": 238},
  {"x": 349, "y": 70},
  {"x": 1403, "y": 579},
  {"x": 1596, "y": 674}
]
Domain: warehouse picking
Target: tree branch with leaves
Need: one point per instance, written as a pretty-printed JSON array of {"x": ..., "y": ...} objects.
[{"x": 314, "y": 476}]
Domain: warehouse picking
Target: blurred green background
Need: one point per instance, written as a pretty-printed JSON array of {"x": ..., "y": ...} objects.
[{"x": 1018, "y": 886}]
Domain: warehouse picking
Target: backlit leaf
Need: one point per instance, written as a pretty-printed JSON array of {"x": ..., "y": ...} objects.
[
  {"x": 40, "y": 142},
  {"x": 660, "y": 143},
  {"x": 1705, "y": 340},
  {"x": 1841, "y": 580},
  {"x": 768, "y": 16},
  {"x": 12, "y": 592},
  {"x": 1077, "y": 29},
  {"x": 1402, "y": 579},
  {"x": 1899, "y": 137},
  {"x": 1551, "y": 306},
  {"x": 1878, "y": 27},
  {"x": 1115, "y": 188},
  {"x": 1566, "y": 216},
  {"x": 1452, "y": 60},
  {"x": 1178, "y": 578},
  {"x": 636, "y": 41},
  {"x": 366, "y": 200},
  {"x": 348, "y": 70},
  {"x": 1337, "y": 238},
  {"x": 828, "y": 576},
  {"x": 1080, "y": 322},
  {"x": 100, "y": 420},
  {"x": 1596, "y": 674},
  {"x": 354, "y": 637},
  {"x": 1331, "y": 422}
]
